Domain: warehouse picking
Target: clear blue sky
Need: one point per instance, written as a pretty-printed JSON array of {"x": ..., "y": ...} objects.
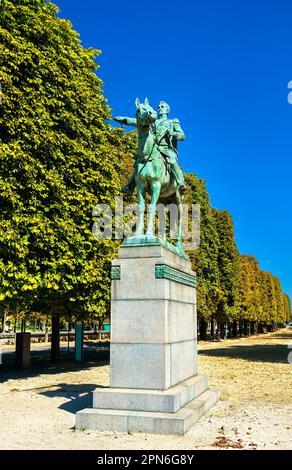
[{"x": 224, "y": 67}]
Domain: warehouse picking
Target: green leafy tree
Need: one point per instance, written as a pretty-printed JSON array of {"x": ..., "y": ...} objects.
[
  {"x": 205, "y": 258},
  {"x": 268, "y": 310},
  {"x": 228, "y": 264},
  {"x": 279, "y": 301},
  {"x": 287, "y": 308},
  {"x": 249, "y": 299},
  {"x": 59, "y": 158}
]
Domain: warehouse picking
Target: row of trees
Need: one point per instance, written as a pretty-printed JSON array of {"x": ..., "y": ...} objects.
[
  {"x": 60, "y": 157},
  {"x": 232, "y": 289}
]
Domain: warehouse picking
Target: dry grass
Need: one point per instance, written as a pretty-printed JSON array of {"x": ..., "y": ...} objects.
[{"x": 250, "y": 369}]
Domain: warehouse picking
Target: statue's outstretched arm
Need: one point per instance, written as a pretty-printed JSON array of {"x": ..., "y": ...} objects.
[{"x": 126, "y": 120}]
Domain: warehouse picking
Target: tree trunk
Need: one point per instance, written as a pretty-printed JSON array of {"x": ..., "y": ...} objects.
[
  {"x": 234, "y": 329},
  {"x": 212, "y": 329},
  {"x": 100, "y": 331},
  {"x": 46, "y": 332},
  {"x": 252, "y": 328},
  {"x": 55, "y": 341},
  {"x": 241, "y": 328},
  {"x": 222, "y": 331},
  {"x": 4, "y": 322},
  {"x": 229, "y": 327},
  {"x": 218, "y": 331},
  {"x": 245, "y": 327},
  {"x": 203, "y": 329}
]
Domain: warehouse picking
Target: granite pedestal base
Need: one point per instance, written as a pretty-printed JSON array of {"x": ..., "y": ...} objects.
[
  {"x": 173, "y": 411},
  {"x": 154, "y": 385}
]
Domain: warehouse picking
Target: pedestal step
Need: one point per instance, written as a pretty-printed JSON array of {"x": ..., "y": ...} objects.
[
  {"x": 146, "y": 421},
  {"x": 166, "y": 401}
]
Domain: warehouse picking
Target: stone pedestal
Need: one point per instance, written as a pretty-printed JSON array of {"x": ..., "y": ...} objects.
[{"x": 154, "y": 386}]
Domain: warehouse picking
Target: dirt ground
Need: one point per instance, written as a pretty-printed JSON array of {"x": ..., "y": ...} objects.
[{"x": 255, "y": 411}]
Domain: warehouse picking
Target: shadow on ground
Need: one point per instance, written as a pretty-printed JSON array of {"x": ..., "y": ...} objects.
[
  {"x": 287, "y": 334},
  {"x": 40, "y": 362},
  {"x": 77, "y": 404},
  {"x": 80, "y": 396},
  {"x": 275, "y": 353}
]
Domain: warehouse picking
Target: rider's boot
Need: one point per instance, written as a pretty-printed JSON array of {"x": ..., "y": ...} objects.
[
  {"x": 182, "y": 188},
  {"x": 179, "y": 177}
]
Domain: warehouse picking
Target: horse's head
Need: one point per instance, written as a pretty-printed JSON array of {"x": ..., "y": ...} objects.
[{"x": 145, "y": 114}]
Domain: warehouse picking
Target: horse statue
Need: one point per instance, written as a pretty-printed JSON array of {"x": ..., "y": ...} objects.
[{"x": 153, "y": 174}]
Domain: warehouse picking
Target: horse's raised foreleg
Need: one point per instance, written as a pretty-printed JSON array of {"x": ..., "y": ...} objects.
[
  {"x": 141, "y": 201},
  {"x": 155, "y": 193}
]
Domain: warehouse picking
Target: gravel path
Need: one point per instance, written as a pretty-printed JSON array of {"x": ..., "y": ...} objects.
[{"x": 255, "y": 412}]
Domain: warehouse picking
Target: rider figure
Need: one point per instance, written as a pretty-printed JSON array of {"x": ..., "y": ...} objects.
[{"x": 168, "y": 132}]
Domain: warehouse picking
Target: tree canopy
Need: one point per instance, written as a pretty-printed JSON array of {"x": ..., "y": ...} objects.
[
  {"x": 205, "y": 258},
  {"x": 59, "y": 157},
  {"x": 228, "y": 265}
]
